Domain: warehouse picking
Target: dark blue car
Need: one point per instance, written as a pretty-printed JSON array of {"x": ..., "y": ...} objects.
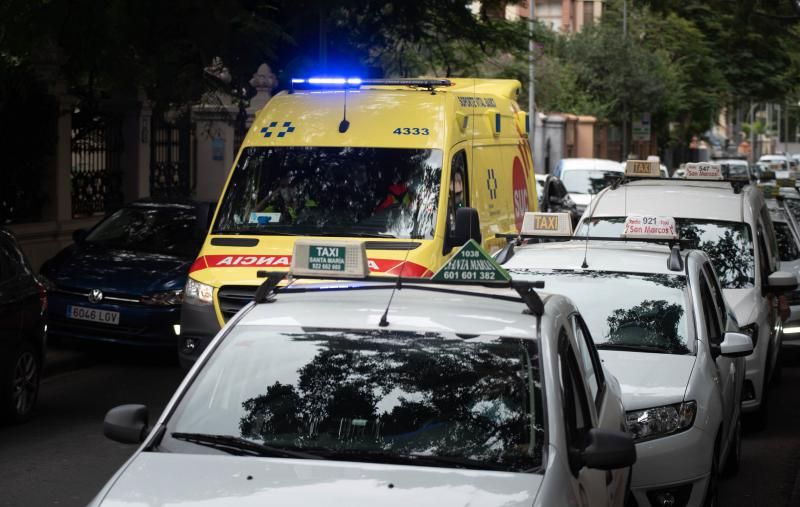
[{"x": 122, "y": 281}]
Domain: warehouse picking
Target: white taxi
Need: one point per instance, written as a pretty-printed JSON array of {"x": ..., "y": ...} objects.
[
  {"x": 354, "y": 393},
  {"x": 658, "y": 318},
  {"x": 728, "y": 220}
]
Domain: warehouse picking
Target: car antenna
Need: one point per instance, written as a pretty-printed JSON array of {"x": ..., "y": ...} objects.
[
  {"x": 588, "y": 228},
  {"x": 344, "y": 124},
  {"x": 399, "y": 285}
]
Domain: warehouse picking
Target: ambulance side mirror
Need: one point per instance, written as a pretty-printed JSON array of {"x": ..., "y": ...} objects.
[{"x": 467, "y": 227}]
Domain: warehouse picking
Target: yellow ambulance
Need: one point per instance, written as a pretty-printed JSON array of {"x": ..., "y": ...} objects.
[{"x": 413, "y": 167}]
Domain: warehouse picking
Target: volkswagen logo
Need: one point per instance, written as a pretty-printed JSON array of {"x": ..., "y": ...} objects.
[{"x": 95, "y": 296}]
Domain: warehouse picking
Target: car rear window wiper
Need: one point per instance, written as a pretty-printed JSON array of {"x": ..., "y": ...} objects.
[
  {"x": 633, "y": 348},
  {"x": 241, "y": 446}
]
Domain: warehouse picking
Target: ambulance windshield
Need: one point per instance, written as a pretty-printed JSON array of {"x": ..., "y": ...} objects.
[{"x": 333, "y": 191}]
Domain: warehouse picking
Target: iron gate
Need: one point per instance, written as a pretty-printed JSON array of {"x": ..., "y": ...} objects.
[
  {"x": 96, "y": 175},
  {"x": 170, "y": 156}
]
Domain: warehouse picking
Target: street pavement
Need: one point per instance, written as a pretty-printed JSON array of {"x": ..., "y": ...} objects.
[{"x": 61, "y": 458}]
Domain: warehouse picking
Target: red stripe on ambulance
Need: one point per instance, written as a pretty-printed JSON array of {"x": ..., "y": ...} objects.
[{"x": 387, "y": 266}]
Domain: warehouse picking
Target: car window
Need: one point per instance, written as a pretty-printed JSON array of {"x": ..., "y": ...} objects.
[
  {"x": 588, "y": 181},
  {"x": 590, "y": 360},
  {"x": 716, "y": 293},
  {"x": 157, "y": 229},
  {"x": 387, "y": 394},
  {"x": 623, "y": 310},
  {"x": 730, "y": 245},
  {"x": 577, "y": 418},
  {"x": 459, "y": 187},
  {"x": 763, "y": 250},
  {"x": 787, "y": 246},
  {"x": 11, "y": 265},
  {"x": 710, "y": 318}
]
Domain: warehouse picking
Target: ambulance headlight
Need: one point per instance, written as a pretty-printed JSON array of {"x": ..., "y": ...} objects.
[
  {"x": 660, "y": 421},
  {"x": 196, "y": 293}
]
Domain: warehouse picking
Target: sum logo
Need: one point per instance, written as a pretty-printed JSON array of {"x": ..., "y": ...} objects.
[{"x": 546, "y": 223}]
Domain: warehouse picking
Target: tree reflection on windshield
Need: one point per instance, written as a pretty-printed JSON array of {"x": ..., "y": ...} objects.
[
  {"x": 381, "y": 394},
  {"x": 729, "y": 245},
  {"x": 651, "y": 324}
]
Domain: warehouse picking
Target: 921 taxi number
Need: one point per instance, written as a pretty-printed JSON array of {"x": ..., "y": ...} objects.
[{"x": 411, "y": 131}]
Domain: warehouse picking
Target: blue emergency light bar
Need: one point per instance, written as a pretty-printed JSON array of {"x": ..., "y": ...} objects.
[{"x": 340, "y": 83}]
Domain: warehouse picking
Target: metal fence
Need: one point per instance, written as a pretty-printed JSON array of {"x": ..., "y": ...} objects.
[{"x": 96, "y": 174}]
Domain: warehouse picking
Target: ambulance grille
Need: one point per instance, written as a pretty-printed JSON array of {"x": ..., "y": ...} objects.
[{"x": 232, "y": 298}]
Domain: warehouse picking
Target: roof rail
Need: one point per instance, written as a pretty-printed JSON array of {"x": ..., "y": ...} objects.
[
  {"x": 267, "y": 291},
  {"x": 736, "y": 184}
]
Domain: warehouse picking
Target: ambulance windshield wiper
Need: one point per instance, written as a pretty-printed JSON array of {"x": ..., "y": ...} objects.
[{"x": 241, "y": 446}]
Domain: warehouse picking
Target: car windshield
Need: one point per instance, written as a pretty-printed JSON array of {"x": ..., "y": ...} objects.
[
  {"x": 341, "y": 191},
  {"x": 165, "y": 230},
  {"x": 588, "y": 181},
  {"x": 430, "y": 399},
  {"x": 793, "y": 204},
  {"x": 625, "y": 310},
  {"x": 728, "y": 244}
]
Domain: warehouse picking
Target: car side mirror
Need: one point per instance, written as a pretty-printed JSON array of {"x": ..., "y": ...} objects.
[
  {"x": 736, "y": 345},
  {"x": 127, "y": 424},
  {"x": 78, "y": 235},
  {"x": 781, "y": 281},
  {"x": 608, "y": 450},
  {"x": 467, "y": 227}
]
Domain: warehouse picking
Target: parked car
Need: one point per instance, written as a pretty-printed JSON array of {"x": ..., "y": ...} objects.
[
  {"x": 583, "y": 177},
  {"x": 460, "y": 395},
  {"x": 122, "y": 281},
  {"x": 554, "y": 198},
  {"x": 23, "y": 302}
]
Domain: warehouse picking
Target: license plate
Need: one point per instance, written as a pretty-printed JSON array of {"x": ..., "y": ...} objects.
[{"x": 93, "y": 314}]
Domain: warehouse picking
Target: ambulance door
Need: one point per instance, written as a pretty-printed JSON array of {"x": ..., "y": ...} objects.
[{"x": 491, "y": 195}]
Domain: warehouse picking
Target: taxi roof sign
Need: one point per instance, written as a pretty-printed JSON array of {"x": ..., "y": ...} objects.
[
  {"x": 471, "y": 264},
  {"x": 324, "y": 257},
  {"x": 703, "y": 171},
  {"x": 546, "y": 224},
  {"x": 643, "y": 168},
  {"x": 650, "y": 227}
]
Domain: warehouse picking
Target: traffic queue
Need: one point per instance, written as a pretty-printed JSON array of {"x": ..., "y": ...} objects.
[{"x": 380, "y": 314}]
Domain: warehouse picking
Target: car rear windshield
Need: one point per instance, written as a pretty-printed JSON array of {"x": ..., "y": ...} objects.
[
  {"x": 728, "y": 244},
  {"x": 430, "y": 399},
  {"x": 336, "y": 191},
  {"x": 625, "y": 310},
  {"x": 160, "y": 229},
  {"x": 588, "y": 181}
]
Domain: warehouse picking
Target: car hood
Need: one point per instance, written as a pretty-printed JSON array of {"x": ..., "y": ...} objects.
[
  {"x": 744, "y": 303},
  {"x": 117, "y": 271},
  {"x": 647, "y": 379},
  {"x": 160, "y": 479}
]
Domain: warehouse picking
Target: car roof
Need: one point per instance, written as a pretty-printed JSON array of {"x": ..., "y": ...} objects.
[
  {"x": 773, "y": 157},
  {"x": 674, "y": 198},
  {"x": 599, "y": 164},
  {"x": 627, "y": 257},
  {"x": 428, "y": 308},
  {"x": 737, "y": 161}
]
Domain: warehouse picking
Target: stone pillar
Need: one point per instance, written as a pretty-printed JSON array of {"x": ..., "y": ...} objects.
[
  {"x": 61, "y": 190},
  {"x": 264, "y": 81},
  {"x": 136, "y": 132},
  {"x": 585, "y": 136},
  {"x": 554, "y": 139},
  {"x": 538, "y": 145},
  {"x": 214, "y": 151}
]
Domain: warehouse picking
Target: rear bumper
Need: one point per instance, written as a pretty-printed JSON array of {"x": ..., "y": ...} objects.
[{"x": 138, "y": 325}]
